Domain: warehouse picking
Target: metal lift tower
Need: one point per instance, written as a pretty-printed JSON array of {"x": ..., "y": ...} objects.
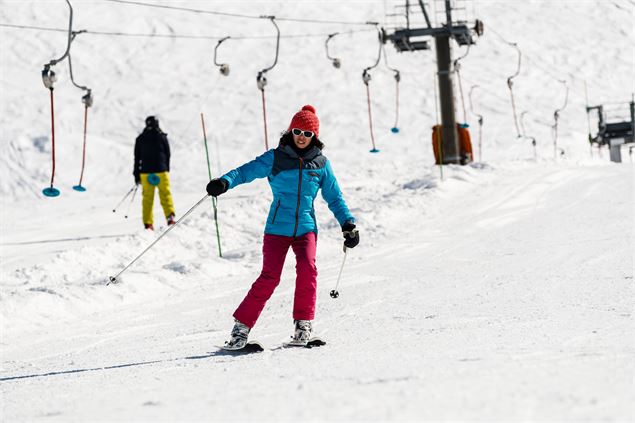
[{"x": 463, "y": 35}]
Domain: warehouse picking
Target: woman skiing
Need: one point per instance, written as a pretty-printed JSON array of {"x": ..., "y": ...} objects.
[{"x": 296, "y": 171}]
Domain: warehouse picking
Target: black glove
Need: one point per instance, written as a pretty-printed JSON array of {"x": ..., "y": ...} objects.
[
  {"x": 137, "y": 178},
  {"x": 217, "y": 186},
  {"x": 351, "y": 235}
]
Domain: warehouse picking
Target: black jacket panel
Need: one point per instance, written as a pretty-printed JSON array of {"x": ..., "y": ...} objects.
[{"x": 151, "y": 152}]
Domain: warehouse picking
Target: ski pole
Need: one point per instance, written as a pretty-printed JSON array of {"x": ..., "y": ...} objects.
[
  {"x": 124, "y": 197},
  {"x": 335, "y": 293},
  {"x": 115, "y": 279},
  {"x": 131, "y": 201},
  {"x": 214, "y": 199}
]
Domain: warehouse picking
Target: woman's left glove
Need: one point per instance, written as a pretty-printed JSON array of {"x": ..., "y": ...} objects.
[
  {"x": 351, "y": 235},
  {"x": 216, "y": 187}
]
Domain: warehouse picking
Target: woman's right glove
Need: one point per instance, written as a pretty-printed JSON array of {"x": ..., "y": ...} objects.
[
  {"x": 216, "y": 187},
  {"x": 351, "y": 235}
]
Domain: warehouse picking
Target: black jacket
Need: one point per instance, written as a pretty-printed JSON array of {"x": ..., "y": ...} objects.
[{"x": 151, "y": 152}]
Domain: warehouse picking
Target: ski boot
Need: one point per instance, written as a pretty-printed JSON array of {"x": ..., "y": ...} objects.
[
  {"x": 303, "y": 332},
  {"x": 304, "y": 336},
  {"x": 170, "y": 219},
  {"x": 238, "y": 337}
]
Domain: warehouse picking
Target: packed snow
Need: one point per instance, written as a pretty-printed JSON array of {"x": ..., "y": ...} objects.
[{"x": 497, "y": 291}]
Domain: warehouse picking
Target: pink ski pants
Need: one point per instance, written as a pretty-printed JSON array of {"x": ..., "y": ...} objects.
[{"x": 274, "y": 251}]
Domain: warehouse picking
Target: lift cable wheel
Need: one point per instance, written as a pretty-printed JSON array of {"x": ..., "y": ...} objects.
[
  {"x": 223, "y": 67},
  {"x": 510, "y": 83},
  {"x": 366, "y": 77},
  {"x": 480, "y": 121},
  {"x": 87, "y": 100},
  {"x": 49, "y": 79},
  {"x": 337, "y": 63},
  {"x": 262, "y": 80},
  {"x": 556, "y": 116}
]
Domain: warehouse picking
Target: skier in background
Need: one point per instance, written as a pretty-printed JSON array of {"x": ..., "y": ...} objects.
[
  {"x": 296, "y": 171},
  {"x": 151, "y": 170}
]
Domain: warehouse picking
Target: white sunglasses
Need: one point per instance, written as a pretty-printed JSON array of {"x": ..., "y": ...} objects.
[{"x": 298, "y": 132}]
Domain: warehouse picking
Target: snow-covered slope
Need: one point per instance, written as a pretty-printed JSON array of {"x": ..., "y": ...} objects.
[{"x": 502, "y": 292}]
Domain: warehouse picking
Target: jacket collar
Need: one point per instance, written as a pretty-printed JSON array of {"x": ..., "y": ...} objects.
[{"x": 311, "y": 152}]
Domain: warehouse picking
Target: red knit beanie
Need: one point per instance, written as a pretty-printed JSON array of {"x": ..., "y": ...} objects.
[{"x": 306, "y": 120}]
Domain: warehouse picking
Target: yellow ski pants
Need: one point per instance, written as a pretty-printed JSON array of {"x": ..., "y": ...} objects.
[{"x": 165, "y": 196}]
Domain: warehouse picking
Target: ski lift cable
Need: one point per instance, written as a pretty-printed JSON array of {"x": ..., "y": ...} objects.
[
  {"x": 178, "y": 36},
  {"x": 185, "y": 9},
  {"x": 536, "y": 62},
  {"x": 493, "y": 94},
  {"x": 543, "y": 68},
  {"x": 235, "y": 15}
]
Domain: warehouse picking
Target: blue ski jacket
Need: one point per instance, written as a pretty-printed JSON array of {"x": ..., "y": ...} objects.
[{"x": 295, "y": 182}]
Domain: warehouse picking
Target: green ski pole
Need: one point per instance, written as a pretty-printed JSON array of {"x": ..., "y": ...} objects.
[{"x": 209, "y": 171}]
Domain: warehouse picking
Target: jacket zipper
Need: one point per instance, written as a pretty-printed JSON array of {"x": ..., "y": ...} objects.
[
  {"x": 273, "y": 220},
  {"x": 297, "y": 209}
]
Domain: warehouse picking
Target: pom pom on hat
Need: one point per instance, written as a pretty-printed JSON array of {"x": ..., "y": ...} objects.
[
  {"x": 309, "y": 108},
  {"x": 306, "y": 119}
]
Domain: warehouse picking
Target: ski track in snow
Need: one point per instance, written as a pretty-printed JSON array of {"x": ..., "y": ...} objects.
[
  {"x": 503, "y": 292},
  {"x": 504, "y": 312}
]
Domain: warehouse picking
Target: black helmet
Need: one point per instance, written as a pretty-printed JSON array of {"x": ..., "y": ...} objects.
[{"x": 152, "y": 122}]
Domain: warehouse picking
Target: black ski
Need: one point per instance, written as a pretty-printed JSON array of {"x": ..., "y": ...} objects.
[
  {"x": 249, "y": 348},
  {"x": 312, "y": 343}
]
